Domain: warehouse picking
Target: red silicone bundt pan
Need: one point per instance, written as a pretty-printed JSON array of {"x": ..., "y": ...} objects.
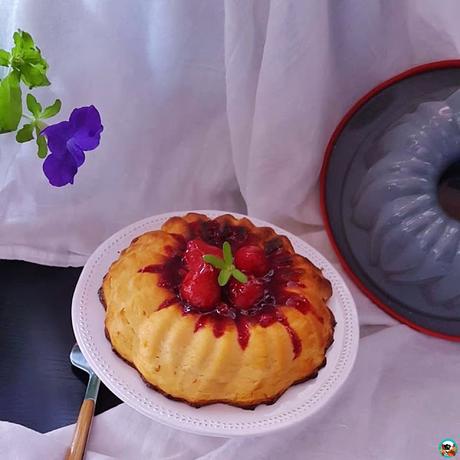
[{"x": 379, "y": 107}]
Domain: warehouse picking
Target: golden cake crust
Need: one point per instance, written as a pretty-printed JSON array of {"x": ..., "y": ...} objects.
[{"x": 242, "y": 362}]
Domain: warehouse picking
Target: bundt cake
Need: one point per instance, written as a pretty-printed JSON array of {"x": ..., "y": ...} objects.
[
  {"x": 218, "y": 310},
  {"x": 412, "y": 239}
]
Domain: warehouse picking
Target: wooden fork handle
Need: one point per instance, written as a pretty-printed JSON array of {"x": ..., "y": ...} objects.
[{"x": 80, "y": 437}]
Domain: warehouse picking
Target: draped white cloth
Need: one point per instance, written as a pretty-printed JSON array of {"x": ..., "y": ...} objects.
[{"x": 226, "y": 105}]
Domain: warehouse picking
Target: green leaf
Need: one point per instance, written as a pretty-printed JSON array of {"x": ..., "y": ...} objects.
[
  {"x": 52, "y": 109},
  {"x": 239, "y": 276},
  {"x": 33, "y": 105},
  {"x": 224, "y": 276},
  {"x": 27, "y": 59},
  {"x": 10, "y": 103},
  {"x": 4, "y": 58},
  {"x": 24, "y": 49},
  {"x": 214, "y": 261},
  {"x": 42, "y": 145},
  {"x": 227, "y": 250},
  {"x": 34, "y": 75},
  {"x": 26, "y": 133},
  {"x": 23, "y": 40}
]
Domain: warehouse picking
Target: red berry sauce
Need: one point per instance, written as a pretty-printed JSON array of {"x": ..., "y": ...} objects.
[{"x": 280, "y": 275}]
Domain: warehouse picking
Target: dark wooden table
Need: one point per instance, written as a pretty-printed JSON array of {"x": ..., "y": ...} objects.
[{"x": 38, "y": 386}]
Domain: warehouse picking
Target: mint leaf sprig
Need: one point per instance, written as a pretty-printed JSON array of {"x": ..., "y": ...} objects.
[{"x": 226, "y": 266}]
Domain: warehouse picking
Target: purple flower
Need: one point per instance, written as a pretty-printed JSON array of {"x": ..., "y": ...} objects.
[{"x": 68, "y": 141}]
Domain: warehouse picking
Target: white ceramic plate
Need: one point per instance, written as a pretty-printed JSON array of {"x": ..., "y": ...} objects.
[{"x": 296, "y": 404}]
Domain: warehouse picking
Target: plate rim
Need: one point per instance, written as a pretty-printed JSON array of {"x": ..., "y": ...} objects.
[
  {"x": 360, "y": 103},
  {"x": 223, "y": 430}
]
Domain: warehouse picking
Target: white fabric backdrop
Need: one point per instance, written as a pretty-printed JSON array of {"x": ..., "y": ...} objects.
[{"x": 227, "y": 105}]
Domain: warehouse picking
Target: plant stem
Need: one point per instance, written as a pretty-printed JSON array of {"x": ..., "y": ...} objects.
[{"x": 41, "y": 125}]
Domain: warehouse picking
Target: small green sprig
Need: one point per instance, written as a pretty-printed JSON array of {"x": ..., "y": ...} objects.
[
  {"x": 27, "y": 65},
  {"x": 226, "y": 266},
  {"x": 26, "y": 133}
]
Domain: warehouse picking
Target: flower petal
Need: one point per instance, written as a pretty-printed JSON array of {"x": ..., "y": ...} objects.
[
  {"x": 57, "y": 136},
  {"x": 76, "y": 152},
  {"x": 86, "y": 123},
  {"x": 60, "y": 169}
]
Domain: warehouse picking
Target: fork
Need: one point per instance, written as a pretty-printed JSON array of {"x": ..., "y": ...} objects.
[{"x": 85, "y": 417}]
